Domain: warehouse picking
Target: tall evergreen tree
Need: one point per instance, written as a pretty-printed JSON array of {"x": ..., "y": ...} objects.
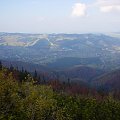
[
  {"x": 39, "y": 79},
  {"x": 22, "y": 70},
  {"x": 35, "y": 74},
  {"x": 68, "y": 81},
  {"x": 0, "y": 65},
  {"x": 11, "y": 68},
  {"x": 44, "y": 81}
]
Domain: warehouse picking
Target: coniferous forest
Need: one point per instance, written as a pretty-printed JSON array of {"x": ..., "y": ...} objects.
[{"x": 22, "y": 97}]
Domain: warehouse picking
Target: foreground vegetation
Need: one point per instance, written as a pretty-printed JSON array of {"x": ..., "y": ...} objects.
[{"x": 26, "y": 100}]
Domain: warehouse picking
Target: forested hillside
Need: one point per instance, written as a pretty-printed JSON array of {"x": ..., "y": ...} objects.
[
  {"x": 22, "y": 98},
  {"x": 109, "y": 81}
]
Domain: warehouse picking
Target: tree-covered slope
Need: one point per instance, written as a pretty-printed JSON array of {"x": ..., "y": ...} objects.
[
  {"x": 26, "y": 100},
  {"x": 109, "y": 81}
]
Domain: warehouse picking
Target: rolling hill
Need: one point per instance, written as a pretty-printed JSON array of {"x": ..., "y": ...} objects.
[{"x": 109, "y": 81}]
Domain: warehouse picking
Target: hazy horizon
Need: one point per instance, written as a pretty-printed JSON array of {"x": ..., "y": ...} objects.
[{"x": 59, "y": 32}]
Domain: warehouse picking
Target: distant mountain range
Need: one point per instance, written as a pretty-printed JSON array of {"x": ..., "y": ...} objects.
[{"x": 49, "y": 49}]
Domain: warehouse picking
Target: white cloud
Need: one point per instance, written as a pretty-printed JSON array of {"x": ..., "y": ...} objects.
[
  {"x": 79, "y": 9},
  {"x": 109, "y": 2},
  {"x": 110, "y": 8},
  {"x": 108, "y": 5}
]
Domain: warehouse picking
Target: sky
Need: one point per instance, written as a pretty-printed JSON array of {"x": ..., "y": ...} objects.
[{"x": 60, "y": 16}]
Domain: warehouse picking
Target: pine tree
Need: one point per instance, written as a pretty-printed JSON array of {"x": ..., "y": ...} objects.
[
  {"x": 0, "y": 65},
  {"x": 44, "y": 81},
  {"x": 35, "y": 74},
  {"x": 68, "y": 81},
  {"x": 11, "y": 68},
  {"x": 22, "y": 70},
  {"x": 39, "y": 79}
]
